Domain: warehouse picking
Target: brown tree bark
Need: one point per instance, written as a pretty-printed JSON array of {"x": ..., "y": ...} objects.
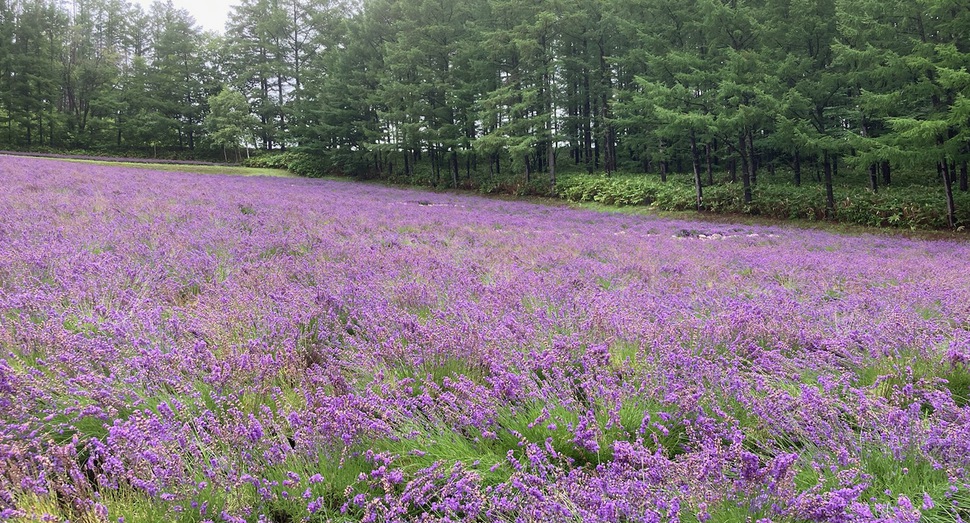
[
  {"x": 963, "y": 176},
  {"x": 696, "y": 159},
  {"x": 745, "y": 168},
  {"x": 951, "y": 213},
  {"x": 829, "y": 192}
]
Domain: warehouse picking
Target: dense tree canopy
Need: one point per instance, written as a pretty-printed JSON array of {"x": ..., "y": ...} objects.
[{"x": 462, "y": 93}]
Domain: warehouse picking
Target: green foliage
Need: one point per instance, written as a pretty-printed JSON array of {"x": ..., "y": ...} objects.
[
  {"x": 229, "y": 122},
  {"x": 912, "y": 476},
  {"x": 729, "y": 511},
  {"x": 307, "y": 165},
  {"x": 299, "y": 163},
  {"x": 505, "y": 97},
  {"x": 885, "y": 375},
  {"x": 270, "y": 160},
  {"x": 609, "y": 191},
  {"x": 904, "y": 207}
]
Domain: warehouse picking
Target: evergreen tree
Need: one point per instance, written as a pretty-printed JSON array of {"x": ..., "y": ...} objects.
[{"x": 229, "y": 123}]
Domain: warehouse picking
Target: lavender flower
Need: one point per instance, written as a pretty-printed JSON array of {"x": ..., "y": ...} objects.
[{"x": 239, "y": 345}]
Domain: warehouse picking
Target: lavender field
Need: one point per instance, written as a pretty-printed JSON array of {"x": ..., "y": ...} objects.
[{"x": 185, "y": 347}]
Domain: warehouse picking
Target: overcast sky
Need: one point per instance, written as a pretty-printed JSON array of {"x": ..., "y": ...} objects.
[{"x": 210, "y": 14}]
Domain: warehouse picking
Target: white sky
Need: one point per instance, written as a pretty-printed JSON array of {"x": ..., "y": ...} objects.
[{"x": 210, "y": 14}]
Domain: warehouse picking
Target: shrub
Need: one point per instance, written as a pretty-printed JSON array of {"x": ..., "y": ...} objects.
[
  {"x": 914, "y": 207},
  {"x": 608, "y": 191},
  {"x": 277, "y": 160},
  {"x": 297, "y": 162}
]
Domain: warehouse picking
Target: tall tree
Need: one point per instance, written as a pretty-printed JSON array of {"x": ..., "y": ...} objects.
[
  {"x": 257, "y": 52},
  {"x": 521, "y": 110},
  {"x": 915, "y": 58},
  {"x": 180, "y": 69},
  {"x": 35, "y": 66},
  {"x": 229, "y": 123}
]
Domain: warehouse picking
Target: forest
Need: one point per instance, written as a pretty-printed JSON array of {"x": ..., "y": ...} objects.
[
  {"x": 507, "y": 95},
  {"x": 204, "y": 320}
]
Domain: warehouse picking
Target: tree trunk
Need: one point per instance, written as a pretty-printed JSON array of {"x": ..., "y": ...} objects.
[
  {"x": 296, "y": 55},
  {"x": 951, "y": 213},
  {"x": 696, "y": 160},
  {"x": 609, "y": 140},
  {"x": 282, "y": 115},
  {"x": 596, "y": 150},
  {"x": 873, "y": 175},
  {"x": 551, "y": 163},
  {"x": 609, "y": 133},
  {"x": 963, "y": 176},
  {"x": 753, "y": 160},
  {"x": 745, "y": 169},
  {"x": 663, "y": 163},
  {"x": 435, "y": 168},
  {"x": 886, "y": 173},
  {"x": 710, "y": 164},
  {"x": 587, "y": 118},
  {"x": 454, "y": 168},
  {"x": 797, "y": 167},
  {"x": 829, "y": 193},
  {"x": 610, "y": 149}
]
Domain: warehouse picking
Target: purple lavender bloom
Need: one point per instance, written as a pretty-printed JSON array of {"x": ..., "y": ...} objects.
[{"x": 396, "y": 355}]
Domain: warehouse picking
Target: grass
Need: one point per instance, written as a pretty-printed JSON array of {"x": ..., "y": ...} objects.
[
  {"x": 437, "y": 369},
  {"x": 231, "y": 170},
  {"x": 518, "y": 426},
  {"x": 911, "y": 477},
  {"x": 130, "y": 506},
  {"x": 515, "y": 427},
  {"x": 429, "y": 444},
  {"x": 289, "y": 497},
  {"x": 721, "y": 217},
  {"x": 725, "y": 218},
  {"x": 47, "y": 508},
  {"x": 729, "y": 511},
  {"x": 885, "y": 376}
]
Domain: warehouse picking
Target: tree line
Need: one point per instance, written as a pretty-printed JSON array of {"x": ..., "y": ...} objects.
[{"x": 457, "y": 90}]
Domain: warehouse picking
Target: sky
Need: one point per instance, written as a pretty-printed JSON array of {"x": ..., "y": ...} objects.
[{"x": 210, "y": 14}]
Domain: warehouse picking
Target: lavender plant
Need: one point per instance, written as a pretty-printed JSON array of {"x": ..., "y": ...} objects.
[{"x": 203, "y": 348}]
